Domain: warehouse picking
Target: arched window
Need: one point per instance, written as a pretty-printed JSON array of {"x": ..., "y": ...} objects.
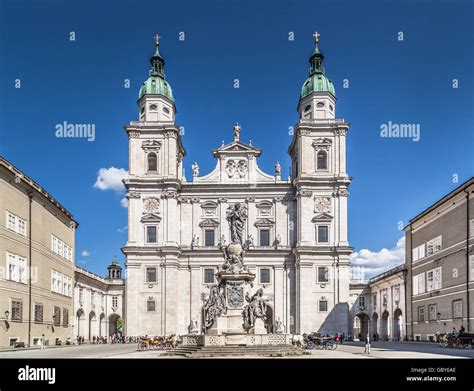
[
  {"x": 322, "y": 160},
  {"x": 152, "y": 166}
]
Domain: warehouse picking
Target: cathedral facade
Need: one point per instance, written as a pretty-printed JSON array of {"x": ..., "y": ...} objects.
[{"x": 295, "y": 229}]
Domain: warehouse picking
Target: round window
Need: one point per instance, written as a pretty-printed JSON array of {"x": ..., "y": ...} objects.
[{"x": 320, "y": 104}]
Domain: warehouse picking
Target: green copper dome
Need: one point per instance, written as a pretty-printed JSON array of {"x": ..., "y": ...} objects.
[
  {"x": 317, "y": 81},
  {"x": 156, "y": 86},
  {"x": 156, "y": 83}
]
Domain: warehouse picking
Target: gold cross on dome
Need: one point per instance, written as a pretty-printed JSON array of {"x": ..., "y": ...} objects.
[
  {"x": 316, "y": 36},
  {"x": 157, "y": 40}
]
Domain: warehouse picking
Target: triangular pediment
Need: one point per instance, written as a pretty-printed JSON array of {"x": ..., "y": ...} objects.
[
  {"x": 151, "y": 218},
  {"x": 209, "y": 223},
  {"x": 264, "y": 223},
  {"x": 322, "y": 217},
  {"x": 237, "y": 147}
]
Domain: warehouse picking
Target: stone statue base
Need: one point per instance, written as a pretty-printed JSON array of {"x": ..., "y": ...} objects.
[
  {"x": 243, "y": 306},
  {"x": 259, "y": 327},
  {"x": 237, "y": 340}
]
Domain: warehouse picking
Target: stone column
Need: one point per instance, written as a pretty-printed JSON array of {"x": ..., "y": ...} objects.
[
  {"x": 173, "y": 223},
  {"x": 342, "y": 197},
  {"x": 196, "y": 295},
  {"x": 342, "y": 152},
  {"x": 222, "y": 219},
  {"x": 305, "y": 226},
  {"x": 278, "y": 296},
  {"x": 173, "y": 295},
  {"x": 251, "y": 219}
]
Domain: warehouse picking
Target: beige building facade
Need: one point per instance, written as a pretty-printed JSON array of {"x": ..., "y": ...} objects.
[
  {"x": 37, "y": 244},
  {"x": 440, "y": 262}
]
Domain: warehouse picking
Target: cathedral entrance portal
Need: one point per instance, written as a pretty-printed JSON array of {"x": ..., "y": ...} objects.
[
  {"x": 361, "y": 325},
  {"x": 269, "y": 323}
]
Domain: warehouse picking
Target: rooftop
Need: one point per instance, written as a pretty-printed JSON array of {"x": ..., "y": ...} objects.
[
  {"x": 446, "y": 198},
  {"x": 35, "y": 186}
]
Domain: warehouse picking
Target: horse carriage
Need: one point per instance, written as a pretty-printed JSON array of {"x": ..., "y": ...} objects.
[
  {"x": 166, "y": 342},
  {"x": 458, "y": 341},
  {"x": 318, "y": 341}
]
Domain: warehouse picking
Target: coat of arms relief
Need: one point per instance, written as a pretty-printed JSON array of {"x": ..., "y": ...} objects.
[{"x": 234, "y": 167}]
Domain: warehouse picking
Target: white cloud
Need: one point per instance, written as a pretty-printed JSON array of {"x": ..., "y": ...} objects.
[
  {"x": 82, "y": 262},
  {"x": 124, "y": 202},
  {"x": 85, "y": 253},
  {"x": 367, "y": 263},
  {"x": 122, "y": 230},
  {"x": 111, "y": 179}
]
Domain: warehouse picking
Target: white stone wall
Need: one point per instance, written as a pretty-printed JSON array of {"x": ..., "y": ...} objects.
[{"x": 290, "y": 209}]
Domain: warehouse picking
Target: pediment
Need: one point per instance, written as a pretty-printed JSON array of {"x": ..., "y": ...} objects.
[
  {"x": 209, "y": 223},
  {"x": 209, "y": 205},
  {"x": 150, "y": 218},
  {"x": 322, "y": 217},
  {"x": 322, "y": 141},
  {"x": 237, "y": 147},
  {"x": 264, "y": 204},
  {"x": 264, "y": 223}
]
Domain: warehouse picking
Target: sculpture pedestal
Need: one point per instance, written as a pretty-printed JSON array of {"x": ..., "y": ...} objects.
[
  {"x": 228, "y": 327},
  {"x": 259, "y": 327}
]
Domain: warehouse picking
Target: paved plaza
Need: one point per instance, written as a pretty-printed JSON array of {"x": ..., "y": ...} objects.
[{"x": 347, "y": 350}]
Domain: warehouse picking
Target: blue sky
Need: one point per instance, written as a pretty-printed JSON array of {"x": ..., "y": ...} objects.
[{"x": 82, "y": 81}]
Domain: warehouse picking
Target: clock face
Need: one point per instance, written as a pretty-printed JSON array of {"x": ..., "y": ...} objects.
[
  {"x": 322, "y": 204},
  {"x": 151, "y": 205}
]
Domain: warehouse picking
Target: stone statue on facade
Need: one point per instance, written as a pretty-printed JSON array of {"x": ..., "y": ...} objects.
[
  {"x": 236, "y": 132},
  {"x": 257, "y": 308},
  {"x": 193, "y": 326},
  {"x": 277, "y": 241},
  {"x": 195, "y": 241},
  {"x": 195, "y": 168},
  {"x": 278, "y": 327},
  {"x": 250, "y": 242},
  {"x": 214, "y": 307},
  {"x": 277, "y": 169}
]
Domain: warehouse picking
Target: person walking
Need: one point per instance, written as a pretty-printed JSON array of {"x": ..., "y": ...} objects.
[
  {"x": 367, "y": 344},
  {"x": 42, "y": 342}
]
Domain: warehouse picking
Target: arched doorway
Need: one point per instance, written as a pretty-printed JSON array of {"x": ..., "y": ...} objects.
[
  {"x": 361, "y": 325},
  {"x": 397, "y": 322},
  {"x": 270, "y": 321},
  {"x": 374, "y": 327},
  {"x": 384, "y": 326},
  {"x": 113, "y": 324},
  {"x": 101, "y": 324},
  {"x": 92, "y": 319},
  {"x": 80, "y": 316}
]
